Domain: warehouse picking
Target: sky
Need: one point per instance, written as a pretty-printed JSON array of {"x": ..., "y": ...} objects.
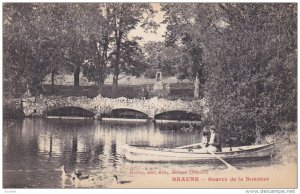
[{"x": 158, "y": 36}]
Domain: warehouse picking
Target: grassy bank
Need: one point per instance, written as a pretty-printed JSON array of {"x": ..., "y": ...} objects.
[
  {"x": 285, "y": 146},
  {"x": 130, "y": 91},
  {"x": 177, "y": 90}
]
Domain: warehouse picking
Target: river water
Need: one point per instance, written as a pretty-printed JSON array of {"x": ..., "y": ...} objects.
[{"x": 34, "y": 149}]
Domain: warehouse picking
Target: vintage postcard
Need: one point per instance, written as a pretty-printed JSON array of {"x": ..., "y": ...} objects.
[{"x": 150, "y": 95}]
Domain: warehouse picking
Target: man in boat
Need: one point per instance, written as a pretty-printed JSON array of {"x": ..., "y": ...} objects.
[{"x": 213, "y": 140}]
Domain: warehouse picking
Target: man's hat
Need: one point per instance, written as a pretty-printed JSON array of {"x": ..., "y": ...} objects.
[{"x": 213, "y": 127}]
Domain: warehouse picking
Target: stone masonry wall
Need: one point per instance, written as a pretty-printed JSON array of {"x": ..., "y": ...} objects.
[{"x": 38, "y": 106}]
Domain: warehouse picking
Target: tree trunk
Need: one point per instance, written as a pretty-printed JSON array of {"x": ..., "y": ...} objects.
[
  {"x": 76, "y": 76},
  {"x": 52, "y": 82},
  {"x": 115, "y": 80},
  {"x": 115, "y": 85},
  {"x": 117, "y": 62},
  {"x": 100, "y": 87},
  {"x": 197, "y": 87},
  {"x": 102, "y": 73}
]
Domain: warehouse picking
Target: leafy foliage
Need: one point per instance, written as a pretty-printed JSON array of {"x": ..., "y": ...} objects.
[
  {"x": 47, "y": 38},
  {"x": 249, "y": 52},
  {"x": 160, "y": 56},
  {"x": 30, "y": 50},
  {"x": 126, "y": 17}
]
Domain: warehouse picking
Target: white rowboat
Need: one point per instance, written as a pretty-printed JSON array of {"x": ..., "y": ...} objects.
[{"x": 150, "y": 154}]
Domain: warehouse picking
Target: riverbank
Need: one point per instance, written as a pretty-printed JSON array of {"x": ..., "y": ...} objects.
[{"x": 285, "y": 146}]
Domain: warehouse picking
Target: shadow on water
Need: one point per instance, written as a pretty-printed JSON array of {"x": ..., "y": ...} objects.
[
  {"x": 179, "y": 127},
  {"x": 70, "y": 111},
  {"x": 178, "y": 115},
  {"x": 126, "y": 113}
]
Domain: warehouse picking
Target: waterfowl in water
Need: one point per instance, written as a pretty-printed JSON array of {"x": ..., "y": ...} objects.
[
  {"x": 78, "y": 172},
  {"x": 80, "y": 176},
  {"x": 65, "y": 177},
  {"x": 120, "y": 182},
  {"x": 63, "y": 172},
  {"x": 80, "y": 180}
]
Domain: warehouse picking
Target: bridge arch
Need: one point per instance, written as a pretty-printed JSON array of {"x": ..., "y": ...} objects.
[
  {"x": 72, "y": 111},
  {"x": 126, "y": 113},
  {"x": 177, "y": 115}
]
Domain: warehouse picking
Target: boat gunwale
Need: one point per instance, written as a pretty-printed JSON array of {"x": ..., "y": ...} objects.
[
  {"x": 227, "y": 153},
  {"x": 263, "y": 151},
  {"x": 196, "y": 160}
]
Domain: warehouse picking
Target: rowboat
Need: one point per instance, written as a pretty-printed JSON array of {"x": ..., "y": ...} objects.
[{"x": 151, "y": 154}]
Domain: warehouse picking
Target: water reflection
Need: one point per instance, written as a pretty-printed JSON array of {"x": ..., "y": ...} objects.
[{"x": 34, "y": 149}]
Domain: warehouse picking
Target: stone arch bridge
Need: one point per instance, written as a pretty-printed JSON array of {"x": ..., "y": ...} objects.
[{"x": 41, "y": 106}]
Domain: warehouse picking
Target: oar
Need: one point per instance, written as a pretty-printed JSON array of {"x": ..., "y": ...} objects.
[{"x": 226, "y": 163}]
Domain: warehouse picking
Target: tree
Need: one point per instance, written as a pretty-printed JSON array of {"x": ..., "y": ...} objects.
[
  {"x": 83, "y": 22},
  {"x": 166, "y": 58},
  {"x": 55, "y": 36},
  {"x": 31, "y": 50},
  {"x": 257, "y": 46},
  {"x": 100, "y": 41},
  {"x": 132, "y": 58},
  {"x": 183, "y": 30},
  {"x": 126, "y": 17},
  {"x": 249, "y": 56}
]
